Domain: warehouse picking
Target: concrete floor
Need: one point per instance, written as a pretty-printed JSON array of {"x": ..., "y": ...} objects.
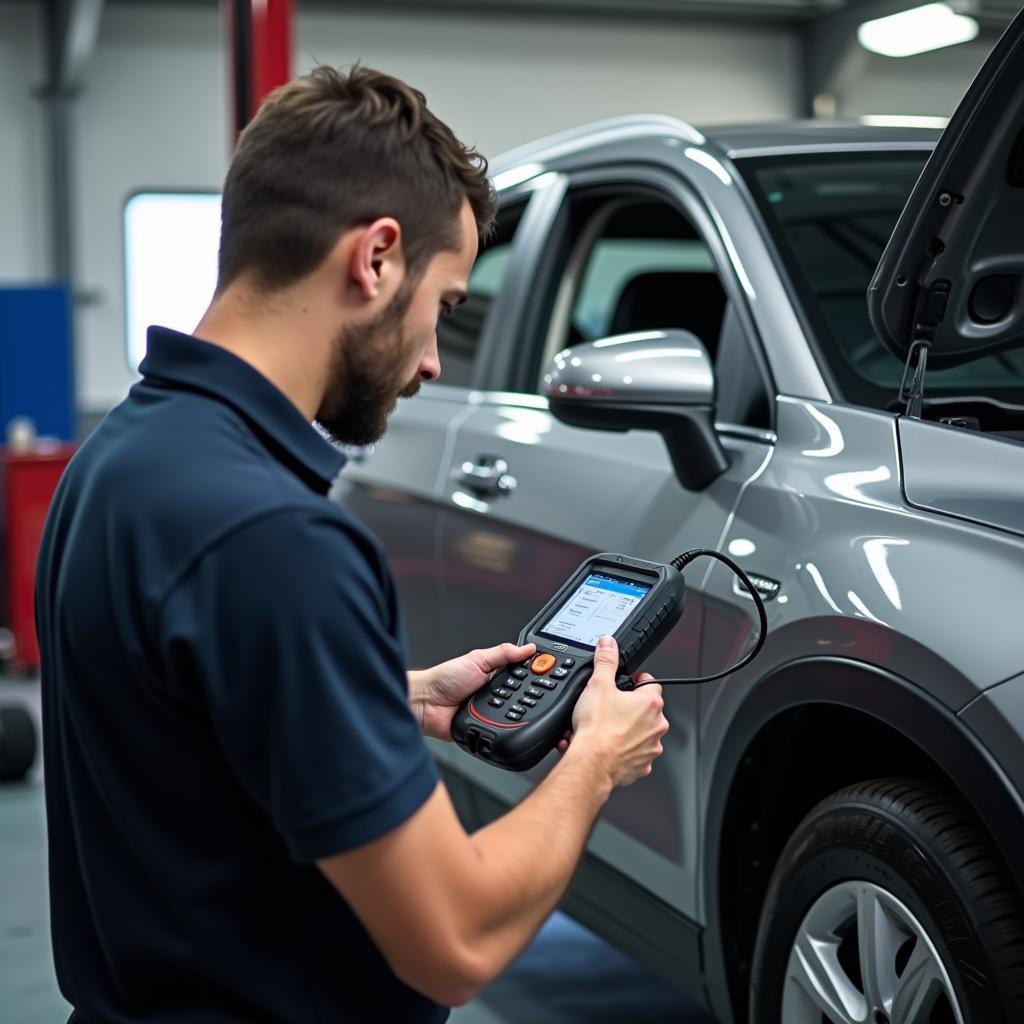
[{"x": 566, "y": 976}]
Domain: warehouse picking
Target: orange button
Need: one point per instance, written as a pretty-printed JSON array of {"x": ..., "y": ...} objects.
[{"x": 543, "y": 663}]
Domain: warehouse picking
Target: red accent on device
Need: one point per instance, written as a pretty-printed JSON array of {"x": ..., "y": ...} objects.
[{"x": 497, "y": 725}]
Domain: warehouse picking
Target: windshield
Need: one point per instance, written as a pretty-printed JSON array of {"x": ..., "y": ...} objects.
[{"x": 831, "y": 217}]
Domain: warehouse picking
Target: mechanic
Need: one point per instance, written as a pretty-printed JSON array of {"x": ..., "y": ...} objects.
[{"x": 245, "y": 823}]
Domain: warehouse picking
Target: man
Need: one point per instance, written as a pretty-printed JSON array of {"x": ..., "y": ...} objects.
[{"x": 244, "y": 820}]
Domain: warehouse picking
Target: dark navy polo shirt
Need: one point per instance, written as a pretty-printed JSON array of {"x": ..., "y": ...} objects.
[{"x": 225, "y": 701}]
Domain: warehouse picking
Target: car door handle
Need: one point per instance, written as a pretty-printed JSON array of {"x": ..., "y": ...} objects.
[{"x": 488, "y": 477}]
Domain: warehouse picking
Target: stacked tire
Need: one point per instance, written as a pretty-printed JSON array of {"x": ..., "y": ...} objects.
[{"x": 17, "y": 743}]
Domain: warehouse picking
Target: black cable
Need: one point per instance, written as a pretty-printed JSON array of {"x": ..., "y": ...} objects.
[{"x": 680, "y": 562}]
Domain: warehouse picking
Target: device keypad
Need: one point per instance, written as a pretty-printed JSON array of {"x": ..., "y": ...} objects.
[{"x": 537, "y": 674}]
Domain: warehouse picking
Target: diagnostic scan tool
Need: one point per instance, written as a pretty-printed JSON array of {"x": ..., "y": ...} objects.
[{"x": 516, "y": 718}]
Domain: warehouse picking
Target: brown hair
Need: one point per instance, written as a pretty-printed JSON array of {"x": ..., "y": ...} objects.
[{"x": 329, "y": 151}]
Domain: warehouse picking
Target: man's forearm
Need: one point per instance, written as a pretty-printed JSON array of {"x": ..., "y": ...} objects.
[{"x": 531, "y": 853}]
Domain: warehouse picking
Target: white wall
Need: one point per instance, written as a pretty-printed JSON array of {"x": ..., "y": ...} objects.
[
  {"x": 154, "y": 112},
  {"x": 24, "y": 227},
  {"x": 503, "y": 81},
  {"x": 930, "y": 83}
]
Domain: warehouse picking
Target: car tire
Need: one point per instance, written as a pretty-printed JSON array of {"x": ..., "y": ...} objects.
[
  {"x": 17, "y": 744},
  {"x": 946, "y": 928}
]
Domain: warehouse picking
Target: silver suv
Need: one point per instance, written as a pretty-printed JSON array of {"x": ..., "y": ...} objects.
[{"x": 835, "y": 833}]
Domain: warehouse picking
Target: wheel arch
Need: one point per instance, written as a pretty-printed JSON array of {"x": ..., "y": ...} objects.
[{"x": 766, "y": 779}]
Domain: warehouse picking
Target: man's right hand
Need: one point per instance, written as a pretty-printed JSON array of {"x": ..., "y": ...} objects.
[{"x": 624, "y": 728}]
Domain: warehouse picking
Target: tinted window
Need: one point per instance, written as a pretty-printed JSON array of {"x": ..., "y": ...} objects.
[
  {"x": 458, "y": 335},
  {"x": 831, "y": 218}
]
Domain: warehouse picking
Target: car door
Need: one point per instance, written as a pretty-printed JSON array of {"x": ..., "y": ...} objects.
[
  {"x": 396, "y": 484},
  {"x": 528, "y": 497}
]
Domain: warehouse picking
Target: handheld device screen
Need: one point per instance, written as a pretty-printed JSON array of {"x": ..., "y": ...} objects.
[{"x": 601, "y": 604}]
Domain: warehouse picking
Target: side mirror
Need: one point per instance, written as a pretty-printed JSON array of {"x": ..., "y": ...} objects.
[{"x": 649, "y": 380}]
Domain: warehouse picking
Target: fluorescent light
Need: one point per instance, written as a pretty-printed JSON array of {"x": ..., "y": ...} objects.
[{"x": 917, "y": 31}]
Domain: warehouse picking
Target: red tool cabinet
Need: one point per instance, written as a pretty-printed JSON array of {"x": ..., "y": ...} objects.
[{"x": 29, "y": 480}]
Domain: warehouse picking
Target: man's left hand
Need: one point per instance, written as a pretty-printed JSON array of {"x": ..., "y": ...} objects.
[{"x": 436, "y": 693}]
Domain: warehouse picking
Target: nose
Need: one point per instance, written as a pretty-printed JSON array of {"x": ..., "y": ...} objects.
[{"x": 430, "y": 364}]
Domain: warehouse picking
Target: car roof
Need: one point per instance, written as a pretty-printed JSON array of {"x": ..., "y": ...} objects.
[
  {"x": 739, "y": 140},
  {"x": 734, "y": 140}
]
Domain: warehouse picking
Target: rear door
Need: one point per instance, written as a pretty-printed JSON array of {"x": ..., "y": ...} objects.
[{"x": 634, "y": 254}]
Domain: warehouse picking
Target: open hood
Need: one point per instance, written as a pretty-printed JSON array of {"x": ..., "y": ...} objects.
[{"x": 953, "y": 271}]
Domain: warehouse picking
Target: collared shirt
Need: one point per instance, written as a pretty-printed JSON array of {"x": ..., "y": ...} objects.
[{"x": 224, "y": 701}]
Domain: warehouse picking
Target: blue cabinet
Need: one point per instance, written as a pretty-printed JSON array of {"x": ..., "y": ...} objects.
[{"x": 36, "y": 369}]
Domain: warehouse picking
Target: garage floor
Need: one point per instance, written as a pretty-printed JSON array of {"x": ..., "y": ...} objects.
[{"x": 566, "y": 976}]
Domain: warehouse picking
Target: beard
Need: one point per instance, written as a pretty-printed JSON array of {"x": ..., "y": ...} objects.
[{"x": 365, "y": 379}]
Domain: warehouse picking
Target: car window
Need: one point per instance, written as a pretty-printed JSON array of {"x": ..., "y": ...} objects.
[
  {"x": 831, "y": 218},
  {"x": 458, "y": 335},
  {"x": 639, "y": 264},
  {"x": 616, "y": 262}
]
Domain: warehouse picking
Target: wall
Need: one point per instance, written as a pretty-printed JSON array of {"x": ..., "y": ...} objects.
[
  {"x": 154, "y": 112},
  {"x": 930, "y": 83},
  {"x": 24, "y": 227},
  {"x": 502, "y": 81}
]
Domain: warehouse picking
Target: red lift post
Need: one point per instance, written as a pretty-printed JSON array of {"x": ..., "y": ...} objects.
[{"x": 259, "y": 35}]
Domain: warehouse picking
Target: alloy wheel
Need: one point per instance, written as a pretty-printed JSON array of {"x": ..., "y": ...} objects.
[{"x": 860, "y": 956}]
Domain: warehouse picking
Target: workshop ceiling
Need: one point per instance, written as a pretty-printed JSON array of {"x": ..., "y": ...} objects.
[{"x": 992, "y": 14}]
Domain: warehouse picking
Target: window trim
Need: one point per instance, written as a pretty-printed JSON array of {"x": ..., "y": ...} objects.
[{"x": 512, "y": 310}]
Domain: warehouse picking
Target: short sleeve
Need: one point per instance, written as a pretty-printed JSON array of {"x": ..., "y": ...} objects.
[{"x": 285, "y": 631}]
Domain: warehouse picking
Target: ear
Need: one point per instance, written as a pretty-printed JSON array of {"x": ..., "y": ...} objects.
[{"x": 376, "y": 262}]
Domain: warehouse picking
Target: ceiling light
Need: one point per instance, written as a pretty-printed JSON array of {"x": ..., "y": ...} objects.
[{"x": 917, "y": 31}]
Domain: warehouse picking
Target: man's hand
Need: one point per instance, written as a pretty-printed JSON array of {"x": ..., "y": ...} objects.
[
  {"x": 436, "y": 693},
  {"x": 624, "y": 728}
]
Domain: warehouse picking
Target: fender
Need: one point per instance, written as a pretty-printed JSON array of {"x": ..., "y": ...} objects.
[{"x": 895, "y": 701}]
